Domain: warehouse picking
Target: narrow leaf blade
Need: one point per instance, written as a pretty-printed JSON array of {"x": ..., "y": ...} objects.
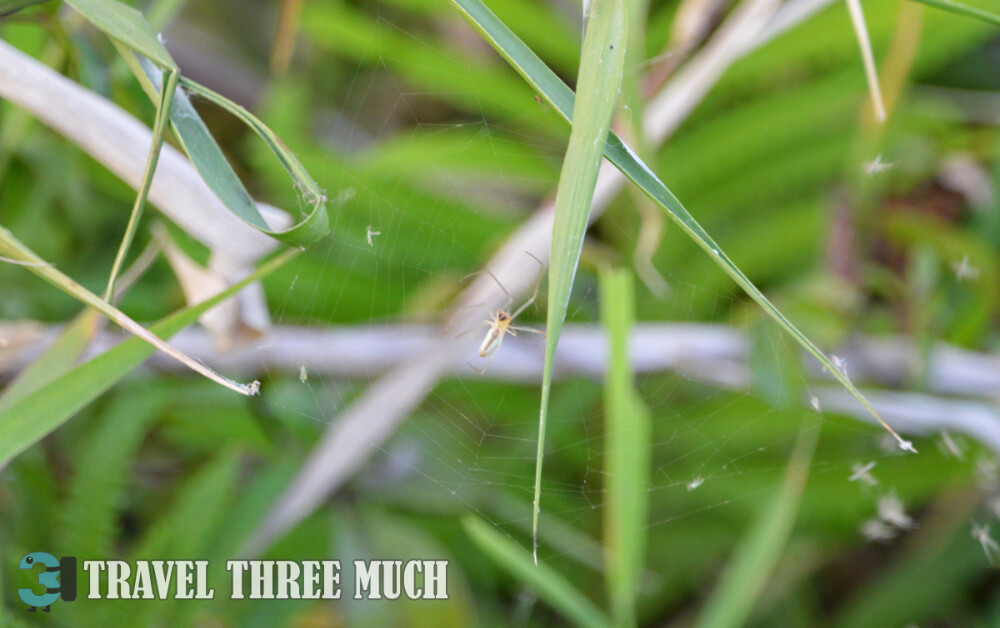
[
  {"x": 600, "y": 75},
  {"x": 963, "y": 9},
  {"x": 31, "y": 418},
  {"x": 547, "y": 582},
  {"x": 127, "y": 25},
  {"x": 758, "y": 553},
  {"x": 553, "y": 90},
  {"x": 628, "y": 430},
  {"x": 57, "y": 359}
]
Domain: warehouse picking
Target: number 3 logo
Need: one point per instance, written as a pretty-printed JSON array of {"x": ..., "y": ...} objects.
[{"x": 50, "y": 580}]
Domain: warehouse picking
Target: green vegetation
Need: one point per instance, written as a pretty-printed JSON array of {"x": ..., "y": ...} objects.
[{"x": 708, "y": 457}]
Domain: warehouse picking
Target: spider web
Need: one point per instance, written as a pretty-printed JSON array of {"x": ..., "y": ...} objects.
[{"x": 718, "y": 453}]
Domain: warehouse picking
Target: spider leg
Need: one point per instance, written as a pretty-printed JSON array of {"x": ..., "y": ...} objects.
[
  {"x": 472, "y": 305},
  {"x": 490, "y": 273},
  {"x": 527, "y": 329},
  {"x": 534, "y": 294},
  {"x": 483, "y": 370},
  {"x": 466, "y": 307},
  {"x": 471, "y": 329},
  {"x": 523, "y": 307}
]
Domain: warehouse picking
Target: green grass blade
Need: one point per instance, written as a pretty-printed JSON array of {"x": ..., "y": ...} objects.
[
  {"x": 159, "y": 133},
  {"x": 757, "y": 555},
  {"x": 315, "y": 223},
  {"x": 553, "y": 90},
  {"x": 557, "y": 534},
  {"x": 34, "y": 416},
  {"x": 57, "y": 359},
  {"x": 22, "y": 255},
  {"x": 600, "y": 75},
  {"x": 213, "y": 167},
  {"x": 963, "y": 9},
  {"x": 628, "y": 431},
  {"x": 130, "y": 30},
  {"x": 127, "y": 25},
  {"x": 13, "y": 6},
  {"x": 544, "y": 580},
  {"x": 201, "y": 147}
]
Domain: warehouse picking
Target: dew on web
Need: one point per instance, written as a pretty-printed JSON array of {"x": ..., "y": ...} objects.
[
  {"x": 990, "y": 546},
  {"x": 877, "y": 166},
  {"x": 952, "y": 446},
  {"x": 877, "y": 531},
  {"x": 964, "y": 270},
  {"x": 892, "y": 512},
  {"x": 861, "y": 473}
]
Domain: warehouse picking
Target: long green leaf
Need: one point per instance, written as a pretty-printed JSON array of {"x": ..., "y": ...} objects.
[
  {"x": 22, "y": 255},
  {"x": 963, "y": 9},
  {"x": 159, "y": 134},
  {"x": 757, "y": 555},
  {"x": 201, "y": 147},
  {"x": 57, "y": 359},
  {"x": 127, "y": 25},
  {"x": 34, "y": 416},
  {"x": 130, "y": 31},
  {"x": 553, "y": 90},
  {"x": 628, "y": 430},
  {"x": 207, "y": 157},
  {"x": 546, "y": 581},
  {"x": 601, "y": 65},
  {"x": 303, "y": 182}
]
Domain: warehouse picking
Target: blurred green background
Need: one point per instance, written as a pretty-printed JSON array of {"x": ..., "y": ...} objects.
[{"x": 448, "y": 153}]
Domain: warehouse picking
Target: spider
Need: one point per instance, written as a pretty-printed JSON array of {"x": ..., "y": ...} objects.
[{"x": 502, "y": 322}]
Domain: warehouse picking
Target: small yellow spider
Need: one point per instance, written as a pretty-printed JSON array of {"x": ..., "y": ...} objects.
[{"x": 502, "y": 322}]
